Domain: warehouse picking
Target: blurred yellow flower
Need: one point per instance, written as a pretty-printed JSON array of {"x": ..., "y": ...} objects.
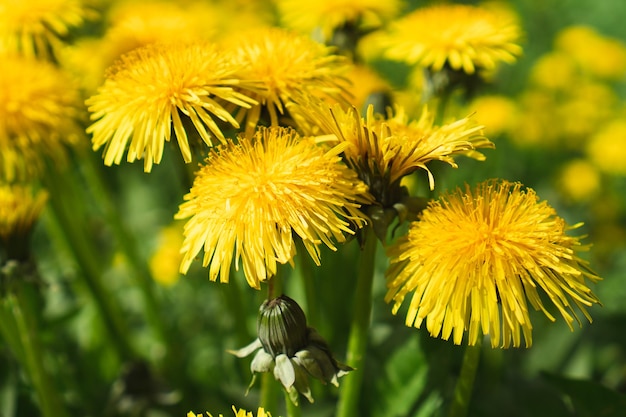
[
  {"x": 596, "y": 54},
  {"x": 252, "y": 198},
  {"x": 290, "y": 67},
  {"x": 323, "y": 17},
  {"x": 159, "y": 88},
  {"x": 607, "y": 148},
  {"x": 35, "y": 27},
  {"x": 19, "y": 209},
  {"x": 464, "y": 37},
  {"x": 496, "y": 113},
  {"x": 554, "y": 70},
  {"x": 165, "y": 261},
  {"x": 39, "y": 111},
  {"x": 365, "y": 82},
  {"x": 476, "y": 258},
  {"x": 579, "y": 180}
]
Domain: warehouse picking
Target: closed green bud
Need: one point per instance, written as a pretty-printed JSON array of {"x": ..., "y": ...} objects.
[{"x": 281, "y": 326}]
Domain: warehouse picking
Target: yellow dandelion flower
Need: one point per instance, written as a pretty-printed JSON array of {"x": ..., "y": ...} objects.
[
  {"x": 325, "y": 16},
  {"x": 596, "y": 54},
  {"x": 35, "y": 27},
  {"x": 289, "y": 66},
  {"x": 19, "y": 209},
  {"x": 461, "y": 36},
  {"x": 497, "y": 113},
  {"x": 476, "y": 258},
  {"x": 384, "y": 150},
  {"x": 165, "y": 261},
  {"x": 138, "y": 24},
  {"x": 365, "y": 82},
  {"x": 555, "y": 70},
  {"x": 607, "y": 148},
  {"x": 580, "y": 180},
  {"x": 161, "y": 87},
  {"x": 252, "y": 197},
  {"x": 38, "y": 116},
  {"x": 238, "y": 413}
]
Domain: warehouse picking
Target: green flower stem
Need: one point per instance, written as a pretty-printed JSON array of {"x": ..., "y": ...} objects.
[
  {"x": 293, "y": 410},
  {"x": 269, "y": 385},
  {"x": 465, "y": 383},
  {"x": 306, "y": 269},
  {"x": 64, "y": 208},
  {"x": 28, "y": 349},
  {"x": 350, "y": 391},
  {"x": 128, "y": 244},
  {"x": 269, "y": 392}
]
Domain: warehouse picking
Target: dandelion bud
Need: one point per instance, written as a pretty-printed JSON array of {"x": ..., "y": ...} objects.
[{"x": 281, "y": 326}]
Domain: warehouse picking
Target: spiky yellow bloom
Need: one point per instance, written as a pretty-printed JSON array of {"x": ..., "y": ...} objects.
[
  {"x": 289, "y": 66},
  {"x": 36, "y": 27},
  {"x": 324, "y": 16},
  {"x": 392, "y": 147},
  {"x": 161, "y": 87},
  {"x": 477, "y": 258},
  {"x": 461, "y": 36},
  {"x": 38, "y": 116},
  {"x": 238, "y": 413},
  {"x": 20, "y": 208},
  {"x": 253, "y": 197}
]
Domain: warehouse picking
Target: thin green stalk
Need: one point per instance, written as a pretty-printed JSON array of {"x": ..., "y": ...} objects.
[
  {"x": 306, "y": 268},
  {"x": 86, "y": 256},
  {"x": 269, "y": 392},
  {"x": 129, "y": 246},
  {"x": 32, "y": 353},
  {"x": 350, "y": 391},
  {"x": 465, "y": 383},
  {"x": 293, "y": 410}
]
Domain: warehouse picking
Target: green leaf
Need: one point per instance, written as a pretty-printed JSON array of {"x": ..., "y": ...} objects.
[
  {"x": 589, "y": 398},
  {"x": 404, "y": 380}
]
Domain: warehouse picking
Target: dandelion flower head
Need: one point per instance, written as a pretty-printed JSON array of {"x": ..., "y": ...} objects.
[
  {"x": 159, "y": 88},
  {"x": 477, "y": 258},
  {"x": 253, "y": 197},
  {"x": 34, "y": 27},
  {"x": 464, "y": 37},
  {"x": 39, "y": 109},
  {"x": 289, "y": 66}
]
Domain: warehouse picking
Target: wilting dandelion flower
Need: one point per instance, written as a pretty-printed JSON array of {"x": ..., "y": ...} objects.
[
  {"x": 36, "y": 27},
  {"x": 461, "y": 36},
  {"x": 289, "y": 66},
  {"x": 253, "y": 197},
  {"x": 38, "y": 116},
  {"x": 477, "y": 258},
  {"x": 385, "y": 149},
  {"x": 159, "y": 88}
]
